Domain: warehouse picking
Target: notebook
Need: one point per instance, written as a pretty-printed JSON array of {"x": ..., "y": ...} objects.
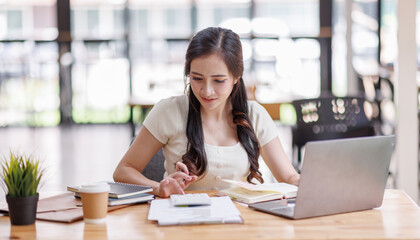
[
  {"x": 251, "y": 193},
  {"x": 338, "y": 176},
  {"x": 119, "y": 190},
  {"x": 138, "y": 198}
]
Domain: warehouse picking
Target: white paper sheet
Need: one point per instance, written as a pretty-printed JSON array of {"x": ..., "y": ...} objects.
[{"x": 221, "y": 210}]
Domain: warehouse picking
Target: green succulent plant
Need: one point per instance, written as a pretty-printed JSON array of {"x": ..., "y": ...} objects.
[{"x": 21, "y": 175}]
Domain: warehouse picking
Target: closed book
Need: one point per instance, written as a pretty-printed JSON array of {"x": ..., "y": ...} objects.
[
  {"x": 142, "y": 197},
  {"x": 250, "y": 193},
  {"x": 119, "y": 190}
]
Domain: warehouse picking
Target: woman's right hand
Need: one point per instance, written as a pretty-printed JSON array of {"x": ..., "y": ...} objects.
[{"x": 176, "y": 182}]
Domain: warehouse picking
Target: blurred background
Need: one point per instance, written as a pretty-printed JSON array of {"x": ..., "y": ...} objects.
[
  {"x": 78, "y": 76},
  {"x": 80, "y": 61}
]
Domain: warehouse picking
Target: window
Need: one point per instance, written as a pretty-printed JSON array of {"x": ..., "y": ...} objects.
[
  {"x": 115, "y": 57},
  {"x": 100, "y": 72},
  {"x": 29, "y": 91}
]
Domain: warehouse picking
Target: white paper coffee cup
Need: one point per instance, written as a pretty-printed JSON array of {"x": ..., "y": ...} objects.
[{"x": 95, "y": 201}]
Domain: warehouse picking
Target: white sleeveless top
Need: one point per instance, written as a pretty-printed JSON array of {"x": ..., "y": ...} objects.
[{"x": 167, "y": 122}]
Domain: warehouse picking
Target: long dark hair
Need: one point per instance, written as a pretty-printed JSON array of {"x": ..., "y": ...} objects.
[{"x": 227, "y": 44}]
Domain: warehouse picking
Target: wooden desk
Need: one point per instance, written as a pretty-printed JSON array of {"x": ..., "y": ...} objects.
[{"x": 398, "y": 218}]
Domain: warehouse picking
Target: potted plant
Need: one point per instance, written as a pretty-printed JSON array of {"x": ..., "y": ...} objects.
[{"x": 21, "y": 175}]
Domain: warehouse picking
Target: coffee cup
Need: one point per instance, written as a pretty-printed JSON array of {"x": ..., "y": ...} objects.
[{"x": 94, "y": 201}]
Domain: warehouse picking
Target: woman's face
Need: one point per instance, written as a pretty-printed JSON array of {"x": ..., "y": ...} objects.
[{"x": 211, "y": 81}]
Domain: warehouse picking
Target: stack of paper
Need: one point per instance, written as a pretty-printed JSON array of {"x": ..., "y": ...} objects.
[{"x": 221, "y": 210}]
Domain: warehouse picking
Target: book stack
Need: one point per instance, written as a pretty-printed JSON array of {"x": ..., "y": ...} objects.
[
  {"x": 249, "y": 193},
  {"x": 123, "y": 193}
]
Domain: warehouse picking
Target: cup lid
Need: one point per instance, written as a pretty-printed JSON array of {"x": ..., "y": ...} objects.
[{"x": 95, "y": 187}]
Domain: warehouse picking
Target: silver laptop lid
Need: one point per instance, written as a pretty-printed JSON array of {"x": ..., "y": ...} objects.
[{"x": 343, "y": 175}]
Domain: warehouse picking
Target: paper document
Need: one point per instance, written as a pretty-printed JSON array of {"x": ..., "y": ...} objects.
[{"x": 221, "y": 210}]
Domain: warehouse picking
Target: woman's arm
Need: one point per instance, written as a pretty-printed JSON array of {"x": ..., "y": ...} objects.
[
  {"x": 144, "y": 146},
  {"x": 278, "y": 162},
  {"x": 138, "y": 156}
]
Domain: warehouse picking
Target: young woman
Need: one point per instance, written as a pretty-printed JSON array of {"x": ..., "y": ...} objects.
[{"x": 212, "y": 132}]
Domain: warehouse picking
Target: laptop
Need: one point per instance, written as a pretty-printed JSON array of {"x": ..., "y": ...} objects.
[{"x": 338, "y": 176}]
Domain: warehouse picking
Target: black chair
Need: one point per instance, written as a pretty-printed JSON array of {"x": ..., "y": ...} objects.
[
  {"x": 379, "y": 91},
  {"x": 329, "y": 118},
  {"x": 155, "y": 169}
]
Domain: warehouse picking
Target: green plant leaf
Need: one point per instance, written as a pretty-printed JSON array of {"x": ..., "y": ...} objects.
[{"x": 21, "y": 174}]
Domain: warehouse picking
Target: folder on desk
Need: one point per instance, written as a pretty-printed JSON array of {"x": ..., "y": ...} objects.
[{"x": 221, "y": 210}]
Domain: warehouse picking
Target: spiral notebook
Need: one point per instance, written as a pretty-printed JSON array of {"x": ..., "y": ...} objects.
[{"x": 118, "y": 190}]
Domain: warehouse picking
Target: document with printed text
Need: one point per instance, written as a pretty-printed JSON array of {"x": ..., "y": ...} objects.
[{"x": 221, "y": 210}]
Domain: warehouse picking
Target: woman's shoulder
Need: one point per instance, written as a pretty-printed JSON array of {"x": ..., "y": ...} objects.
[
  {"x": 167, "y": 118},
  {"x": 263, "y": 124},
  {"x": 174, "y": 100},
  {"x": 257, "y": 112},
  {"x": 254, "y": 107},
  {"x": 174, "y": 104}
]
